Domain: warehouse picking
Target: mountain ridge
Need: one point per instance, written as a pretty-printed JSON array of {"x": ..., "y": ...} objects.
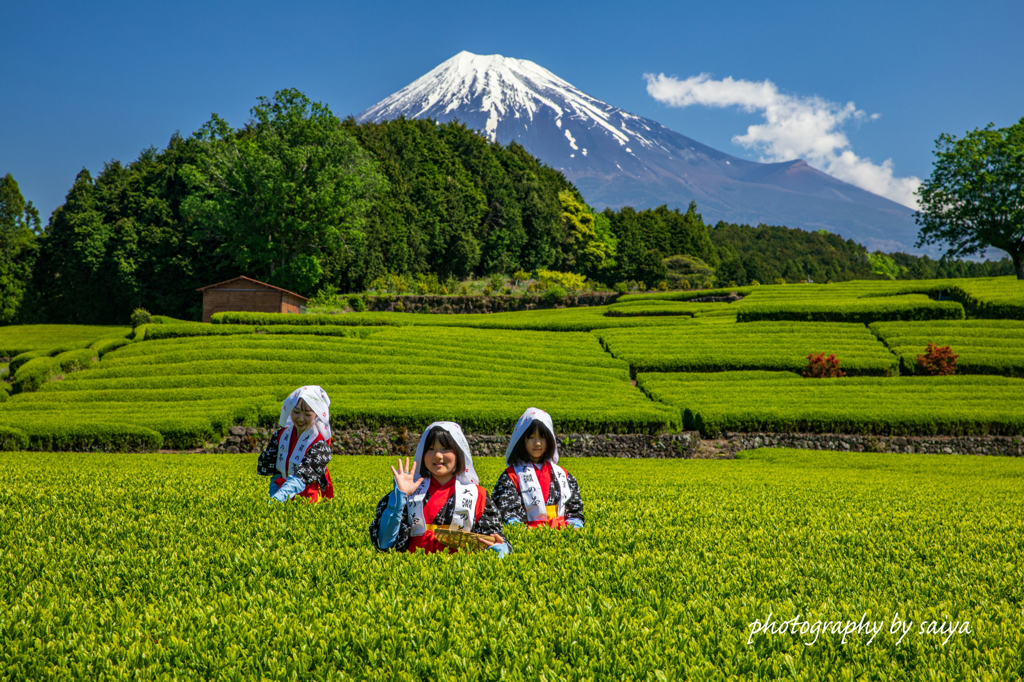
[{"x": 617, "y": 158}]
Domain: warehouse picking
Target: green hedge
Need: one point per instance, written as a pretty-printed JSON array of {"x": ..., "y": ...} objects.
[
  {"x": 398, "y": 376},
  {"x": 85, "y": 437},
  {"x": 183, "y": 330},
  {"x": 685, "y": 295},
  {"x": 16, "y": 339},
  {"x": 780, "y": 346},
  {"x": 35, "y": 373},
  {"x": 967, "y": 405},
  {"x": 351, "y": 319},
  {"x": 548, "y": 320},
  {"x": 984, "y": 346},
  {"x": 995, "y": 297},
  {"x": 75, "y": 360},
  {"x": 104, "y": 346},
  {"x": 254, "y": 375},
  {"x": 18, "y": 361},
  {"x": 12, "y": 439},
  {"x": 199, "y": 329},
  {"x": 860, "y": 312}
]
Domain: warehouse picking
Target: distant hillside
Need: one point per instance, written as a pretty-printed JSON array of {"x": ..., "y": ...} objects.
[{"x": 617, "y": 159}]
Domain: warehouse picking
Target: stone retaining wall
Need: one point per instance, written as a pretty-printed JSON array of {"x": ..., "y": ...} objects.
[
  {"x": 397, "y": 442},
  {"x": 1012, "y": 446},
  {"x": 402, "y": 443}
]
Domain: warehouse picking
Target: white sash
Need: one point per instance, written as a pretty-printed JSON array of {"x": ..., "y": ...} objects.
[
  {"x": 534, "y": 499},
  {"x": 465, "y": 507},
  {"x": 305, "y": 440}
]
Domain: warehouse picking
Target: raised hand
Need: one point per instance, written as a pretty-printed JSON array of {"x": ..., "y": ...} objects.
[
  {"x": 493, "y": 539},
  {"x": 403, "y": 477}
]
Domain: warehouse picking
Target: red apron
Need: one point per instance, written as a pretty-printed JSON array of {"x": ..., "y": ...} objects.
[
  {"x": 312, "y": 493},
  {"x": 544, "y": 479},
  {"x": 437, "y": 497}
]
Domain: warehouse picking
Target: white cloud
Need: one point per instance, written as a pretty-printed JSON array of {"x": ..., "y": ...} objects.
[{"x": 809, "y": 128}]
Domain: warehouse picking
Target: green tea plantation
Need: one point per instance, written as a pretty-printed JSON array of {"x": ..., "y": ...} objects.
[{"x": 159, "y": 566}]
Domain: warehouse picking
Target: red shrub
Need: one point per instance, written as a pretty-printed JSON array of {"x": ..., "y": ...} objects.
[
  {"x": 820, "y": 367},
  {"x": 938, "y": 360}
]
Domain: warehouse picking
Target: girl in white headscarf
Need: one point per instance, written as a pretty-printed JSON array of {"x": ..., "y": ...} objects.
[
  {"x": 298, "y": 454},
  {"x": 534, "y": 489},
  {"x": 440, "y": 491}
]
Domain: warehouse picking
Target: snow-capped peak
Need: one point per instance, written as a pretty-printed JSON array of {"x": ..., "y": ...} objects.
[{"x": 500, "y": 87}]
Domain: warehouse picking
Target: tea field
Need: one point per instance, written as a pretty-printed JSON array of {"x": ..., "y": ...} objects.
[
  {"x": 157, "y": 566},
  {"x": 648, "y": 363}
]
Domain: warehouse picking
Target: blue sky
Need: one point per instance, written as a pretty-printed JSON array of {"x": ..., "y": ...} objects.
[{"x": 84, "y": 83}]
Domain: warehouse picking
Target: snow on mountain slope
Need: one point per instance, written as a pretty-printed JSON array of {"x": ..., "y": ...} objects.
[{"x": 617, "y": 158}]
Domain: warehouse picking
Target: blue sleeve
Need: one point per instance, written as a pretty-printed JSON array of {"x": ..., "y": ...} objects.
[
  {"x": 575, "y": 523},
  {"x": 290, "y": 488},
  {"x": 391, "y": 519},
  {"x": 503, "y": 549}
]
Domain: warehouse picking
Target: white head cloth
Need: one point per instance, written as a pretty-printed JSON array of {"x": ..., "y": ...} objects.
[
  {"x": 531, "y": 414},
  {"x": 317, "y": 400},
  {"x": 465, "y": 477}
]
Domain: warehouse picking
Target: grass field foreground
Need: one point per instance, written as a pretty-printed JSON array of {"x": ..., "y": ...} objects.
[{"x": 143, "y": 566}]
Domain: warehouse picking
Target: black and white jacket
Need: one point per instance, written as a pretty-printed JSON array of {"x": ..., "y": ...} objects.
[{"x": 313, "y": 467}]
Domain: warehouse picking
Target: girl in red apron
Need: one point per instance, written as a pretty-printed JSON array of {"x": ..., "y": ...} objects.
[
  {"x": 534, "y": 489},
  {"x": 440, "y": 490},
  {"x": 297, "y": 456}
]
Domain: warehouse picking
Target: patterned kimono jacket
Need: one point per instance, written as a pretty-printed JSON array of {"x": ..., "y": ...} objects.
[
  {"x": 312, "y": 469},
  {"x": 558, "y": 508},
  {"x": 438, "y": 512}
]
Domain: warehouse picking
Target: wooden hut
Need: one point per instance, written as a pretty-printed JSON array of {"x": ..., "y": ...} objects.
[{"x": 248, "y": 295}]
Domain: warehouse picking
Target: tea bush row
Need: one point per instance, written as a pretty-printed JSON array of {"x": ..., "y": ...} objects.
[
  {"x": 984, "y": 346},
  {"x": 702, "y": 347},
  {"x": 550, "y": 320},
  {"x": 399, "y": 376},
  {"x": 908, "y": 307},
  {"x": 196, "y": 329},
  {"x": 744, "y": 401},
  {"x": 670, "y": 307},
  {"x": 991, "y": 297},
  {"x": 17, "y": 339}
]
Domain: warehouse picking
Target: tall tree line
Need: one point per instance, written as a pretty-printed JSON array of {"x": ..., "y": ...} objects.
[{"x": 303, "y": 200}]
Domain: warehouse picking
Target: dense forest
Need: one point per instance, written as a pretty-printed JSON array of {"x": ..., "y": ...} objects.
[{"x": 305, "y": 201}]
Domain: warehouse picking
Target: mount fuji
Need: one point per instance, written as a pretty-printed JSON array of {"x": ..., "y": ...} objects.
[{"x": 616, "y": 158}]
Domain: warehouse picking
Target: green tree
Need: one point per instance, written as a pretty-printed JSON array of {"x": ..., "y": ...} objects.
[
  {"x": 285, "y": 193},
  {"x": 974, "y": 198},
  {"x": 19, "y": 223},
  {"x": 584, "y": 249},
  {"x": 885, "y": 266},
  {"x": 699, "y": 274}
]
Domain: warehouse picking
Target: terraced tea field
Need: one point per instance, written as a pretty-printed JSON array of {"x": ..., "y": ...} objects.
[
  {"x": 182, "y": 385},
  {"x": 699, "y": 347},
  {"x": 784, "y": 402},
  {"x": 181, "y": 392},
  {"x": 984, "y": 346}
]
